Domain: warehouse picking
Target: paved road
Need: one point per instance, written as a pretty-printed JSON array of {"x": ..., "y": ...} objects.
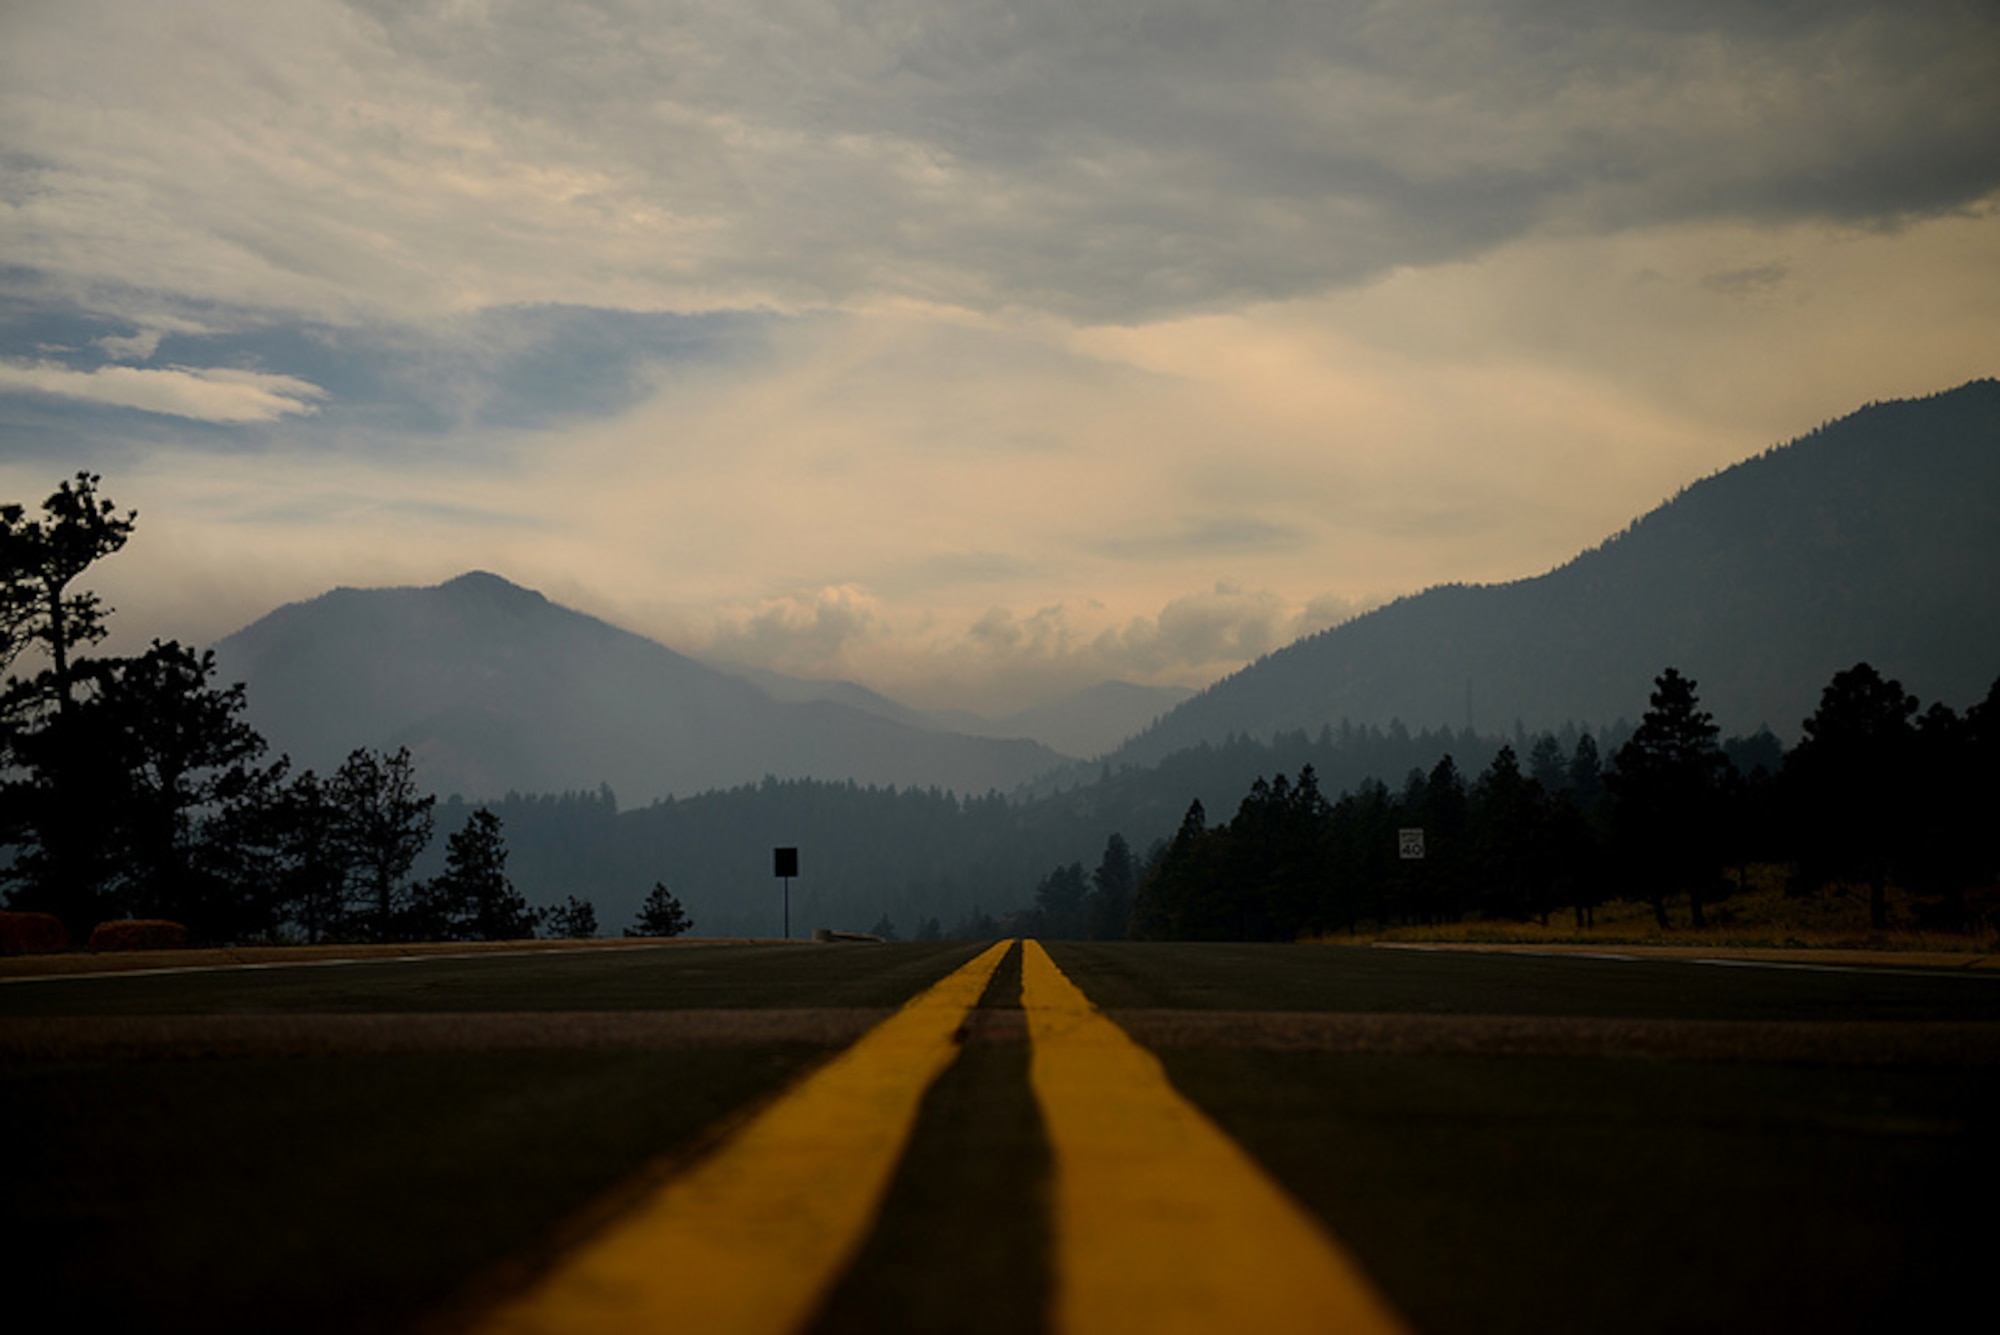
[{"x": 1503, "y": 1143}]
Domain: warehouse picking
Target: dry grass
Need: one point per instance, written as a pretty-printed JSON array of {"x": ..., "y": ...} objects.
[{"x": 1758, "y": 915}]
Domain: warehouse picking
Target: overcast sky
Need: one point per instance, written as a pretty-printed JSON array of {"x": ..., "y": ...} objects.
[{"x": 972, "y": 350}]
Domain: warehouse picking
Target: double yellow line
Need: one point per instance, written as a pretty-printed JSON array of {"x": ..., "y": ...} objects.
[{"x": 1162, "y": 1222}]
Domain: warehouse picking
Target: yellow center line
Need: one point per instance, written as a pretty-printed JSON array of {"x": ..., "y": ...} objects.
[
  {"x": 751, "y": 1238},
  {"x": 1162, "y": 1222}
]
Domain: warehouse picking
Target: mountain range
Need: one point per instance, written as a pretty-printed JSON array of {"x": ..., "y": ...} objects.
[
  {"x": 494, "y": 689},
  {"x": 1082, "y": 724},
  {"x": 1874, "y": 538}
]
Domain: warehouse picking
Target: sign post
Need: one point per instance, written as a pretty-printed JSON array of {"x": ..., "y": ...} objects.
[{"x": 785, "y": 865}]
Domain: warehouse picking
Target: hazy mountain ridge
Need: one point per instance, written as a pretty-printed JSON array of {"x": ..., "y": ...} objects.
[
  {"x": 1079, "y": 725},
  {"x": 495, "y": 688},
  {"x": 1874, "y": 537}
]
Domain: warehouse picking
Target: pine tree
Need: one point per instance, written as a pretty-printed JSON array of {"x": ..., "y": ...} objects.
[
  {"x": 60, "y": 776},
  {"x": 473, "y": 899},
  {"x": 1667, "y": 783},
  {"x": 1851, "y": 777},
  {"x": 661, "y": 915},
  {"x": 1111, "y": 891},
  {"x": 384, "y": 826},
  {"x": 573, "y": 919}
]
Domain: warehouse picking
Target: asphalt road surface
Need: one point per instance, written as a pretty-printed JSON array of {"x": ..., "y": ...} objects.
[{"x": 1496, "y": 1142}]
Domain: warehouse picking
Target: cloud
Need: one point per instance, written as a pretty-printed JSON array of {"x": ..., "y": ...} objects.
[
  {"x": 210, "y": 394},
  {"x": 508, "y": 369},
  {"x": 808, "y": 634},
  {"x": 137, "y": 347},
  {"x": 1753, "y": 280},
  {"x": 1003, "y": 658},
  {"x": 980, "y": 348},
  {"x": 1114, "y": 161},
  {"x": 1238, "y": 534}
]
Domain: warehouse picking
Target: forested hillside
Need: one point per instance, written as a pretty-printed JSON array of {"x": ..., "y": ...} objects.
[
  {"x": 910, "y": 853},
  {"x": 1876, "y": 538}
]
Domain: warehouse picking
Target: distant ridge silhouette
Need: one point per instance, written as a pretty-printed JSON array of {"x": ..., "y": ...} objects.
[
  {"x": 494, "y": 689},
  {"x": 1875, "y": 537}
]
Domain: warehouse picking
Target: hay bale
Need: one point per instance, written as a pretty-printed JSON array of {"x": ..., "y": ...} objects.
[
  {"x": 32, "y": 934},
  {"x": 139, "y": 934}
]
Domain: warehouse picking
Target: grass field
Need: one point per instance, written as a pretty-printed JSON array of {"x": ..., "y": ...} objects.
[{"x": 1757, "y": 913}]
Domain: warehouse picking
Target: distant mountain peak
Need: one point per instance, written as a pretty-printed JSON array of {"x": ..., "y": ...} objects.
[
  {"x": 487, "y": 585},
  {"x": 494, "y": 687}
]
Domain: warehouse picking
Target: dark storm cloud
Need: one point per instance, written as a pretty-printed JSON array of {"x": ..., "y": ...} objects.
[{"x": 1111, "y": 160}]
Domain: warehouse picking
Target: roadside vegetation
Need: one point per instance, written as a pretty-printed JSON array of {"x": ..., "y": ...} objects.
[
  {"x": 1875, "y": 828},
  {"x": 131, "y": 789}
]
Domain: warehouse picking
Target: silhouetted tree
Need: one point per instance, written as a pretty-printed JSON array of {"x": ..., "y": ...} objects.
[
  {"x": 1441, "y": 807},
  {"x": 1978, "y": 784},
  {"x": 1667, "y": 785},
  {"x": 1547, "y": 765},
  {"x": 384, "y": 825},
  {"x": 1586, "y": 776},
  {"x": 315, "y": 882},
  {"x": 59, "y": 775},
  {"x": 1060, "y": 911},
  {"x": 39, "y": 560},
  {"x": 1171, "y": 879},
  {"x": 186, "y": 753},
  {"x": 473, "y": 900},
  {"x": 660, "y": 915},
  {"x": 885, "y": 927},
  {"x": 1111, "y": 887},
  {"x": 1509, "y": 842},
  {"x": 573, "y": 919},
  {"x": 1850, "y": 777}
]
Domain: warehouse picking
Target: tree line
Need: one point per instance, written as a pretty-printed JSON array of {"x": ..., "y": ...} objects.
[
  {"x": 1876, "y": 794},
  {"x": 131, "y": 787}
]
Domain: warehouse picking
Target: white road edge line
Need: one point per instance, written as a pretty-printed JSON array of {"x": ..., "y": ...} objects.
[{"x": 236, "y": 966}]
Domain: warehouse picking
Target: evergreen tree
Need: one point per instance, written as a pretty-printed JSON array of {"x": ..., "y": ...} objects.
[
  {"x": 1111, "y": 891},
  {"x": 885, "y": 927},
  {"x": 39, "y": 561},
  {"x": 1667, "y": 785},
  {"x": 61, "y": 773},
  {"x": 573, "y": 919},
  {"x": 473, "y": 900},
  {"x": 1586, "y": 775},
  {"x": 384, "y": 825},
  {"x": 315, "y": 881},
  {"x": 1171, "y": 881},
  {"x": 1850, "y": 777},
  {"x": 185, "y": 752},
  {"x": 1511, "y": 869},
  {"x": 1437, "y": 881},
  {"x": 1061, "y": 913},
  {"x": 1547, "y": 765},
  {"x": 660, "y": 915}
]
